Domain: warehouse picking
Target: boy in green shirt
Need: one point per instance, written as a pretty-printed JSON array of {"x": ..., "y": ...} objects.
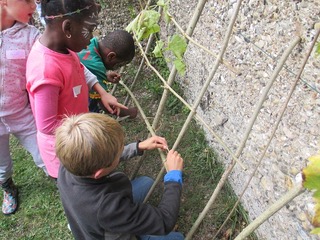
[{"x": 113, "y": 51}]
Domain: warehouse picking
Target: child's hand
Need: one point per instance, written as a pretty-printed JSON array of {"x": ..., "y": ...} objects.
[
  {"x": 113, "y": 77},
  {"x": 174, "y": 161},
  {"x": 152, "y": 143},
  {"x": 108, "y": 101},
  {"x": 111, "y": 103}
]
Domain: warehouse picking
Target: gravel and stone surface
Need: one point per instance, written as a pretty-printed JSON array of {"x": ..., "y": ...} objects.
[{"x": 263, "y": 31}]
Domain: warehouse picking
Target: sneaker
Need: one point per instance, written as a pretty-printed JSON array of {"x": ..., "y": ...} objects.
[{"x": 10, "y": 197}]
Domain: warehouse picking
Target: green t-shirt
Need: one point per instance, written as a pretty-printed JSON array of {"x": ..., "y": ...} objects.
[{"x": 90, "y": 57}]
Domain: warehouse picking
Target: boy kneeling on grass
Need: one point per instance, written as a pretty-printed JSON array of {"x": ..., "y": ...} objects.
[{"x": 101, "y": 203}]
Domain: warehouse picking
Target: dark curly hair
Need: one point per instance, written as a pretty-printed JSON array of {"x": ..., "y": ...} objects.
[
  {"x": 121, "y": 42},
  {"x": 62, "y": 7}
]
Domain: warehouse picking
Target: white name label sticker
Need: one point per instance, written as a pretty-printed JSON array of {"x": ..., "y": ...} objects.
[{"x": 76, "y": 90}]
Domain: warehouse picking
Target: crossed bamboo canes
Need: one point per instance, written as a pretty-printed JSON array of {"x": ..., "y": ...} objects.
[{"x": 219, "y": 59}]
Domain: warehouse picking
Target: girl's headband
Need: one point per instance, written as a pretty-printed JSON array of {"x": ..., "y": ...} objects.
[{"x": 67, "y": 14}]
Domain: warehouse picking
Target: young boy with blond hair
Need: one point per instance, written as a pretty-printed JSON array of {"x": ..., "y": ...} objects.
[{"x": 102, "y": 203}]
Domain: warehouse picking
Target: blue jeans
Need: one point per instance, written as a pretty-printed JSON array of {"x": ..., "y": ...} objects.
[
  {"x": 140, "y": 189},
  {"x": 170, "y": 236}
]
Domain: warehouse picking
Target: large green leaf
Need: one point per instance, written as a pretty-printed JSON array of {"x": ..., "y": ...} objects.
[
  {"x": 162, "y": 3},
  {"x": 311, "y": 174},
  {"x": 177, "y": 45},
  {"x": 165, "y": 6},
  {"x": 158, "y": 49},
  {"x": 311, "y": 177},
  {"x": 315, "y": 231},
  {"x": 180, "y": 66},
  {"x": 145, "y": 24}
]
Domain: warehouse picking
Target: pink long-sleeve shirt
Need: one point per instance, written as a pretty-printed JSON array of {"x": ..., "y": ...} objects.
[{"x": 57, "y": 88}]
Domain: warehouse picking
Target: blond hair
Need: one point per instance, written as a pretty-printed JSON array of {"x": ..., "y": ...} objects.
[{"x": 88, "y": 142}]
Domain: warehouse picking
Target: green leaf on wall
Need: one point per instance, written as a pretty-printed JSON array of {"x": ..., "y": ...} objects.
[
  {"x": 311, "y": 181},
  {"x": 180, "y": 66},
  {"x": 158, "y": 49},
  {"x": 177, "y": 45},
  {"x": 144, "y": 24},
  {"x": 165, "y": 6}
]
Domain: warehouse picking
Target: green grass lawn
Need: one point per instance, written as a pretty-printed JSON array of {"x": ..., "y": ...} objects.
[{"x": 40, "y": 214}]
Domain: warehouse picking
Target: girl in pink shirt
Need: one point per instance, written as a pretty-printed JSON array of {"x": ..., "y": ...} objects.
[
  {"x": 16, "y": 40},
  {"x": 56, "y": 80}
]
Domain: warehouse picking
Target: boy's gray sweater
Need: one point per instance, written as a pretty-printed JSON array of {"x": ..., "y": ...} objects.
[{"x": 104, "y": 209}]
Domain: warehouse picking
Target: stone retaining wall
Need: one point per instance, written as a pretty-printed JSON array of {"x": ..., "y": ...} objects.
[{"x": 264, "y": 29}]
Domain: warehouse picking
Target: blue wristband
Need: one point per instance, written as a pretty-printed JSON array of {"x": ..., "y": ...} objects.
[{"x": 173, "y": 176}]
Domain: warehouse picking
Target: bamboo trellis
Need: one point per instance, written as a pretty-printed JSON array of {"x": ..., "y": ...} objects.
[{"x": 193, "y": 115}]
